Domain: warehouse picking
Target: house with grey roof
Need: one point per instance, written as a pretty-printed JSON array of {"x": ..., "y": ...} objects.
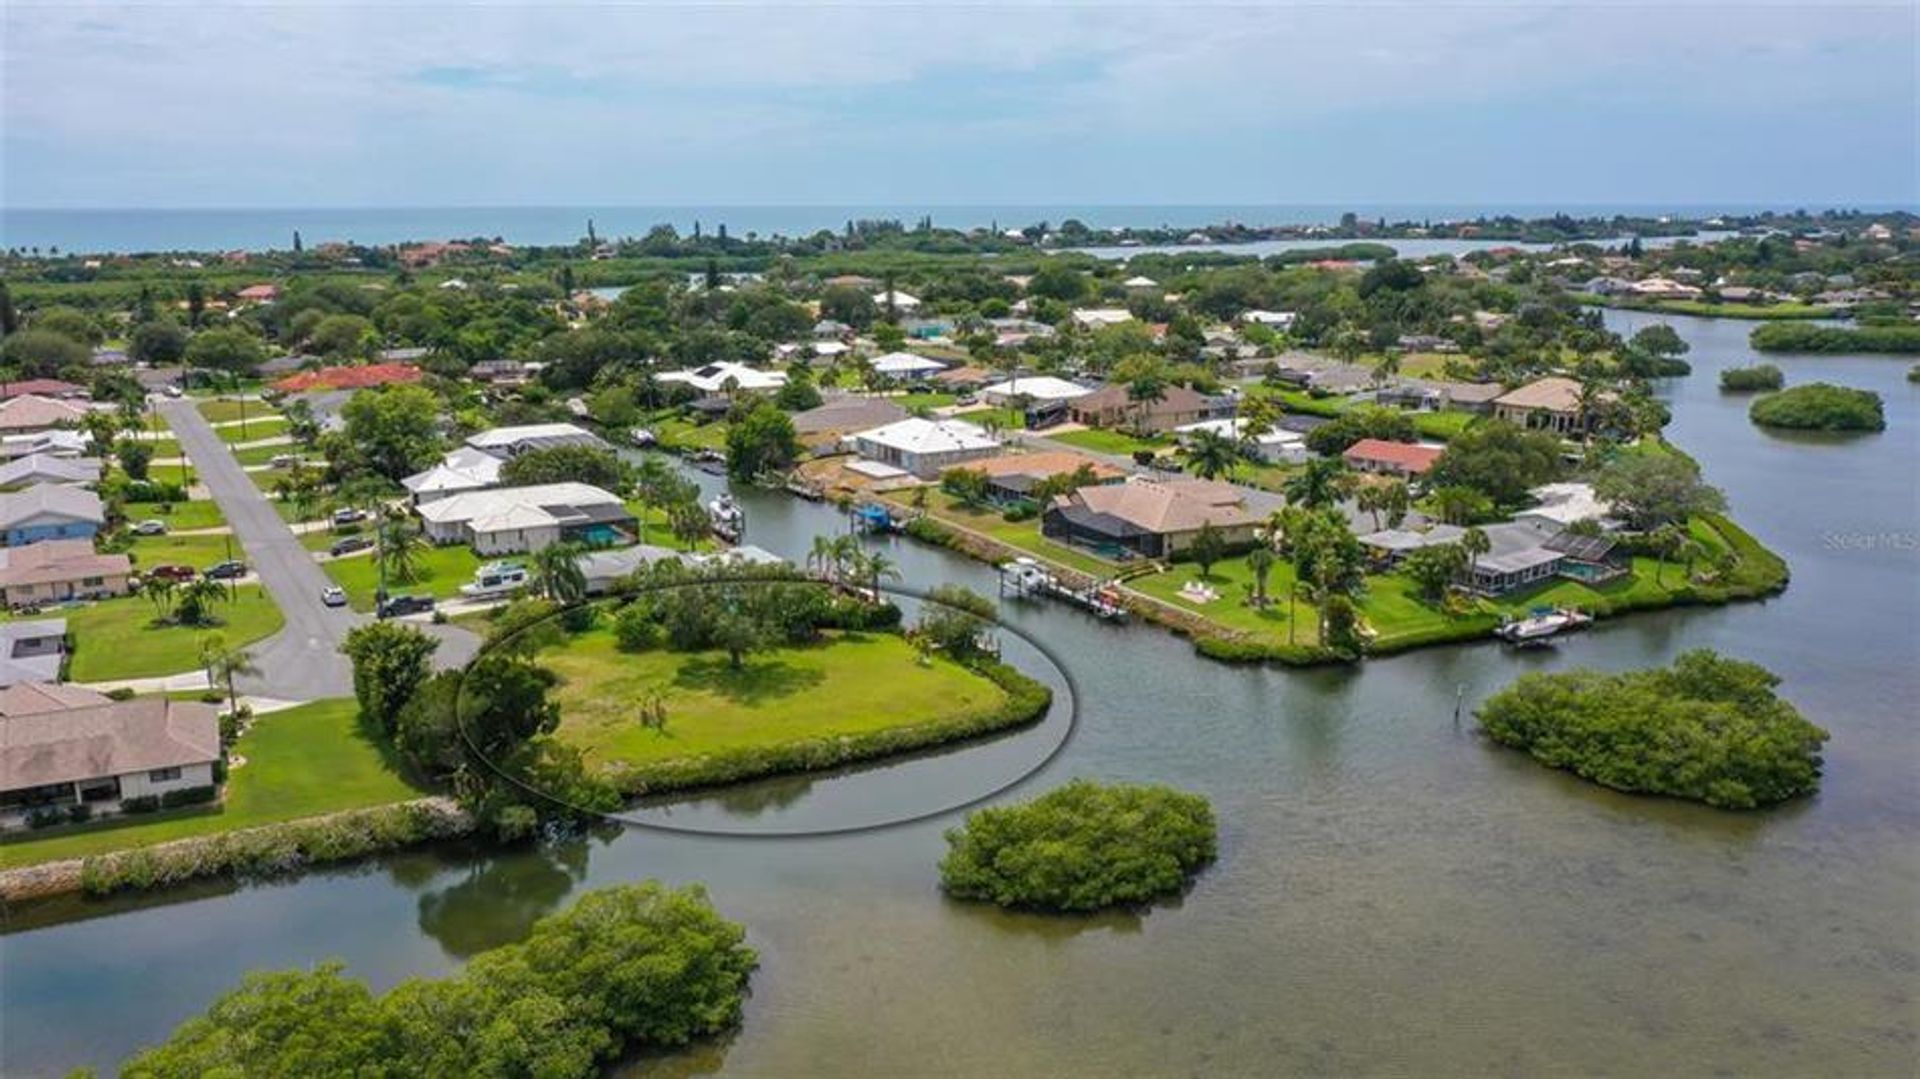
[
  {"x": 32, "y": 650},
  {"x": 63, "y": 746},
  {"x": 50, "y": 511},
  {"x": 37, "y": 468}
]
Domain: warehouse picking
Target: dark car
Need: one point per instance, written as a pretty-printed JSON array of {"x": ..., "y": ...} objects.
[
  {"x": 226, "y": 571},
  {"x": 349, "y": 544},
  {"x": 395, "y": 606},
  {"x": 174, "y": 573}
]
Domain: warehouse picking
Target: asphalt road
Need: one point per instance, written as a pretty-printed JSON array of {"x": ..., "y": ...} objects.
[{"x": 302, "y": 661}]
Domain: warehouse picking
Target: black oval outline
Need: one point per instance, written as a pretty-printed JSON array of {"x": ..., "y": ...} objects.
[{"x": 1046, "y": 652}]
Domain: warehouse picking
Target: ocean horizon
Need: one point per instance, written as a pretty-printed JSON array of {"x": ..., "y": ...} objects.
[{"x": 137, "y": 230}]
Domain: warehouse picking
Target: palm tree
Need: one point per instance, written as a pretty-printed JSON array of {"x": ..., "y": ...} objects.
[
  {"x": 1396, "y": 500},
  {"x": 195, "y": 604},
  {"x": 1474, "y": 541},
  {"x": 557, "y": 573},
  {"x": 224, "y": 664},
  {"x": 1372, "y": 499},
  {"x": 824, "y": 556},
  {"x": 1260, "y": 561},
  {"x": 400, "y": 546},
  {"x": 1322, "y": 483},
  {"x": 1212, "y": 454},
  {"x": 879, "y": 567},
  {"x": 160, "y": 590},
  {"x": 1143, "y": 392},
  {"x": 1666, "y": 543}
]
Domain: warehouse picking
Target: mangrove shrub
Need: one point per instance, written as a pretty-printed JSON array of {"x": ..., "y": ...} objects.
[{"x": 1820, "y": 406}]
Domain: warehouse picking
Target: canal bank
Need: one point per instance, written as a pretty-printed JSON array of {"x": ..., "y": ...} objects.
[{"x": 1394, "y": 894}]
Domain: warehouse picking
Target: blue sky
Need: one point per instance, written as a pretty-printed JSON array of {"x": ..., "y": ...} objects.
[{"x": 313, "y": 104}]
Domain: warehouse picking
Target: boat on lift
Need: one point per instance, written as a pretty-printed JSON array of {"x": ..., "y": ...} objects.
[
  {"x": 1541, "y": 625},
  {"x": 727, "y": 519}
]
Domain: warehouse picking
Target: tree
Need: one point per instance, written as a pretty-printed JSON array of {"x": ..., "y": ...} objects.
[
  {"x": 1666, "y": 541},
  {"x": 225, "y": 348},
  {"x": 878, "y": 567},
  {"x": 843, "y": 303},
  {"x": 1143, "y": 392},
  {"x": 160, "y": 342},
  {"x": 400, "y": 545},
  {"x": 1458, "y": 505},
  {"x": 761, "y": 441},
  {"x": 395, "y": 431},
  {"x": 1648, "y": 490},
  {"x": 1322, "y": 483},
  {"x": 391, "y": 661},
  {"x": 1475, "y": 542},
  {"x": 344, "y": 337},
  {"x": 160, "y": 590},
  {"x": 1367, "y": 421},
  {"x": 1434, "y": 569},
  {"x": 1207, "y": 547},
  {"x": 224, "y": 664},
  {"x": 9, "y": 315},
  {"x": 134, "y": 456},
  {"x": 557, "y": 574},
  {"x": 1260, "y": 563},
  {"x": 1499, "y": 460},
  {"x": 71, "y": 323},
  {"x": 1212, "y": 454},
  {"x": 36, "y": 353},
  {"x": 561, "y": 464},
  {"x": 194, "y": 607}
]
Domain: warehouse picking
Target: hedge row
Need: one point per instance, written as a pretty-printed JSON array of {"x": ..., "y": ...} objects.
[
  {"x": 276, "y": 849},
  {"x": 1027, "y": 701}
]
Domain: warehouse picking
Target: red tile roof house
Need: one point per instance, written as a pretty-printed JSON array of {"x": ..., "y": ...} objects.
[
  {"x": 31, "y": 412},
  {"x": 258, "y": 294},
  {"x": 40, "y": 387},
  {"x": 349, "y": 378},
  {"x": 1404, "y": 459}
]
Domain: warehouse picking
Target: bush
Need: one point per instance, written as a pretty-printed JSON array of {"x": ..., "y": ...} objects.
[
  {"x": 1708, "y": 729},
  {"x": 635, "y": 630},
  {"x": 46, "y": 817},
  {"x": 79, "y": 814},
  {"x": 188, "y": 796},
  {"x": 1080, "y": 848},
  {"x": 143, "y": 803},
  {"x": 1023, "y": 510},
  {"x": 1820, "y": 406},
  {"x": 578, "y": 618},
  {"x": 1761, "y": 377},
  {"x": 1799, "y": 337},
  {"x": 120, "y": 693}
]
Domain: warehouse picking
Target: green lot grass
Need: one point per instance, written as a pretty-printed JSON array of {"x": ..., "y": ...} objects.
[
  {"x": 203, "y": 513},
  {"x": 301, "y": 762},
  {"x": 163, "y": 449},
  {"x": 267, "y": 428},
  {"x": 1234, "y": 582},
  {"x": 224, "y": 409},
  {"x": 116, "y": 638},
  {"x": 260, "y": 455},
  {"x": 441, "y": 572},
  {"x": 196, "y": 551},
  {"x": 676, "y": 433},
  {"x": 1004, "y": 419},
  {"x": 1102, "y": 440},
  {"x": 847, "y": 686},
  {"x": 1022, "y": 535}
]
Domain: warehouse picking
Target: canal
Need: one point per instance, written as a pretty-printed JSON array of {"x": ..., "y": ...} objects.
[{"x": 1394, "y": 895}]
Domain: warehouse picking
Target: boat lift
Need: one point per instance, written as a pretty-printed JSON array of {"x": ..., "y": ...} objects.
[{"x": 1026, "y": 578}]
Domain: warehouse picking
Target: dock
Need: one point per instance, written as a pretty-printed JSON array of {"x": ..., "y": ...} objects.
[
  {"x": 1026, "y": 578},
  {"x": 1541, "y": 626}
]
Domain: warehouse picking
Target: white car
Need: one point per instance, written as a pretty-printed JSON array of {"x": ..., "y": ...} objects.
[
  {"x": 152, "y": 526},
  {"x": 333, "y": 596}
]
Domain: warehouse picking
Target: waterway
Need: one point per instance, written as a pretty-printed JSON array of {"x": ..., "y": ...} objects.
[{"x": 1394, "y": 896}]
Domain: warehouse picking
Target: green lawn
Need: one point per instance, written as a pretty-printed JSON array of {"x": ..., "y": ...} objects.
[
  {"x": 196, "y": 551},
  {"x": 260, "y": 455},
  {"x": 254, "y": 430},
  {"x": 1102, "y": 440},
  {"x": 203, "y": 513},
  {"x": 302, "y": 762},
  {"x": 848, "y": 686},
  {"x": 163, "y": 449},
  {"x": 677, "y": 433},
  {"x": 1441, "y": 426},
  {"x": 1002, "y": 419},
  {"x": 225, "y": 409},
  {"x": 1022, "y": 535},
  {"x": 116, "y": 638},
  {"x": 1234, "y": 583},
  {"x": 440, "y": 573}
]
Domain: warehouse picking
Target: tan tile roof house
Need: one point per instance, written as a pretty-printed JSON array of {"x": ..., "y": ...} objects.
[
  {"x": 1111, "y": 407},
  {"x": 1155, "y": 518},
  {"x": 1011, "y": 478},
  {"x": 101, "y": 752},
  {"x": 31, "y": 412},
  {"x": 1551, "y": 403},
  {"x": 57, "y": 570}
]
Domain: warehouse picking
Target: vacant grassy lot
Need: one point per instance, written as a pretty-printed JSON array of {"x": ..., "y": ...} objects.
[
  {"x": 179, "y": 516},
  {"x": 224, "y": 409},
  {"x": 255, "y": 429},
  {"x": 116, "y": 638},
  {"x": 439, "y": 572},
  {"x": 848, "y": 686},
  {"x": 1023, "y": 535},
  {"x": 196, "y": 551},
  {"x": 1103, "y": 440},
  {"x": 302, "y": 762}
]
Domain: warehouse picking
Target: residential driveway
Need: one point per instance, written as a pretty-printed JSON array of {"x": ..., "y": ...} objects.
[{"x": 303, "y": 661}]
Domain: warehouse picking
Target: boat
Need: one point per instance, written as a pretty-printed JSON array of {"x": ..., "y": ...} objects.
[
  {"x": 710, "y": 461},
  {"x": 727, "y": 519},
  {"x": 494, "y": 580},
  {"x": 1026, "y": 577},
  {"x": 641, "y": 437},
  {"x": 874, "y": 518},
  {"x": 1541, "y": 625}
]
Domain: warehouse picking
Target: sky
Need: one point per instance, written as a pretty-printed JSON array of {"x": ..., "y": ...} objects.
[{"x": 164, "y": 104}]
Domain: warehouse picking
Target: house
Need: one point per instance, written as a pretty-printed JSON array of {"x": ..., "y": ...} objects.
[
  {"x": 55, "y": 443},
  {"x": 1094, "y": 318},
  {"x": 831, "y": 330},
  {"x": 927, "y": 329},
  {"x": 500, "y": 373},
  {"x": 31, "y": 412},
  {"x": 904, "y": 366},
  {"x": 1549, "y": 404},
  {"x": 32, "y": 651},
  {"x": 1389, "y": 545},
  {"x": 38, "y": 468},
  {"x": 963, "y": 378},
  {"x": 41, "y": 387},
  {"x": 59, "y": 748},
  {"x": 1151, "y": 518},
  {"x": 1139, "y": 282},
  {"x": 925, "y": 447},
  {"x": 1275, "y": 445},
  {"x": 1404, "y": 459},
  {"x": 847, "y": 413},
  {"x": 605, "y": 569},
  {"x": 461, "y": 470},
  {"x": 1113, "y": 406},
  {"x": 1013, "y": 478},
  {"x": 717, "y": 377},
  {"x": 898, "y": 300},
  {"x": 59, "y": 570},
  {"x": 1278, "y": 320},
  {"x": 365, "y": 376},
  {"x": 510, "y": 520},
  {"x": 1561, "y": 504},
  {"x": 50, "y": 512},
  {"x": 1039, "y": 389},
  {"x": 1420, "y": 395},
  {"x": 258, "y": 294},
  {"x": 1663, "y": 288},
  {"x": 510, "y": 442}
]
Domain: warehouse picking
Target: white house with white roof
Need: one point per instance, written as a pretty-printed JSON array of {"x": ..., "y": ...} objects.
[
  {"x": 1278, "y": 320},
  {"x": 1095, "y": 317},
  {"x": 905, "y": 366},
  {"x": 925, "y": 447},
  {"x": 509, "y": 520},
  {"x": 1274, "y": 445},
  {"x": 900, "y": 300},
  {"x": 1036, "y": 388},
  {"x": 514, "y": 441},
  {"x": 714, "y": 377}
]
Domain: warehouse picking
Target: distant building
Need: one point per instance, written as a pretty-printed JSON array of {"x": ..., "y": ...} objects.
[
  {"x": 1113, "y": 406},
  {"x": 510, "y": 520},
  {"x": 1036, "y": 388},
  {"x": 905, "y": 366},
  {"x": 925, "y": 447},
  {"x": 1152, "y": 518},
  {"x": 31, "y": 412},
  {"x": 718, "y": 377},
  {"x": 41, "y": 387},
  {"x": 1404, "y": 459},
  {"x": 1549, "y": 404},
  {"x": 1014, "y": 477},
  {"x": 34, "y": 469}
]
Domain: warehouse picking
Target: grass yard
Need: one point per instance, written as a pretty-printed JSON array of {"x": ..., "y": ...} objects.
[
  {"x": 223, "y": 409},
  {"x": 676, "y": 433},
  {"x": 179, "y": 516},
  {"x": 1001, "y": 419},
  {"x": 1234, "y": 582},
  {"x": 302, "y": 762},
  {"x": 260, "y": 455},
  {"x": 116, "y": 639},
  {"x": 1023, "y": 535},
  {"x": 255, "y": 429},
  {"x": 176, "y": 550},
  {"x": 1103, "y": 440},
  {"x": 440, "y": 572},
  {"x": 850, "y": 685},
  {"x": 164, "y": 448}
]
